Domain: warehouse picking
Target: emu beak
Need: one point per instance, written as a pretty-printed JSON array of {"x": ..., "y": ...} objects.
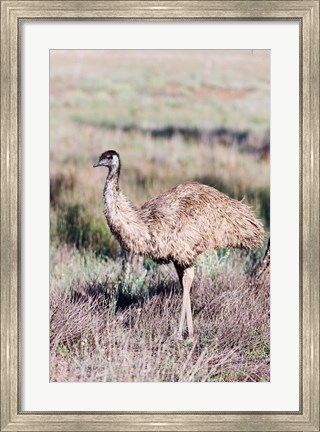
[{"x": 95, "y": 165}]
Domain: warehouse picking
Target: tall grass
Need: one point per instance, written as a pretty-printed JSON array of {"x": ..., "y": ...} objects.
[
  {"x": 108, "y": 326},
  {"x": 149, "y": 168}
]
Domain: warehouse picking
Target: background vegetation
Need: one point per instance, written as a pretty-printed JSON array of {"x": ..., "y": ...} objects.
[{"x": 173, "y": 116}]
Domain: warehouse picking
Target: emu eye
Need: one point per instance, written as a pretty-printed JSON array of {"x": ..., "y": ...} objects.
[{"x": 109, "y": 157}]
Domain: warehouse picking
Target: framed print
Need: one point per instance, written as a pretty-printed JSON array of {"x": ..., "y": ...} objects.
[{"x": 149, "y": 149}]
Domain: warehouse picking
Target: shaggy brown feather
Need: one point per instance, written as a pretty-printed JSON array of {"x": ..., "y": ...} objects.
[{"x": 180, "y": 224}]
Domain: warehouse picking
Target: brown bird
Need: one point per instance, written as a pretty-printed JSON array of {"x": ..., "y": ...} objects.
[{"x": 178, "y": 225}]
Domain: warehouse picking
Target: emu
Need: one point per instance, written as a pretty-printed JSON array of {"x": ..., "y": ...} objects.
[{"x": 178, "y": 225}]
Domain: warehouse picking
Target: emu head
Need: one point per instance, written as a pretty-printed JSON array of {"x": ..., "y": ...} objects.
[{"x": 109, "y": 159}]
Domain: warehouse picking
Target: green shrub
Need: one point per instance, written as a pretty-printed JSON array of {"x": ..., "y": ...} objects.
[{"x": 72, "y": 225}]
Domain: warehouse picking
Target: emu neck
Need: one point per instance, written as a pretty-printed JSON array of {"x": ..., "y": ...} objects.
[
  {"x": 113, "y": 176},
  {"x": 123, "y": 218},
  {"x": 111, "y": 192}
]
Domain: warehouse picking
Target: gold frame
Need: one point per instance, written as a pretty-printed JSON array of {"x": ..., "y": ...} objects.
[{"x": 307, "y": 13}]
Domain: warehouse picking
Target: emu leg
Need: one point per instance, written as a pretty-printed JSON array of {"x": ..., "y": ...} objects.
[
  {"x": 180, "y": 271},
  {"x": 187, "y": 280},
  {"x": 186, "y": 277}
]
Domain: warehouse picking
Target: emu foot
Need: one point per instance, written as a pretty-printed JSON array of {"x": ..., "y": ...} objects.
[
  {"x": 185, "y": 337},
  {"x": 179, "y": 336}
]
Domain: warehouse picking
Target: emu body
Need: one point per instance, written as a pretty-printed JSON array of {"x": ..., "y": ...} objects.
[{"x": 178, "y": 225}]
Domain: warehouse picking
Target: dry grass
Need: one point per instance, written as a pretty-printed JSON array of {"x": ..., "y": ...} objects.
[
  {"x": 153, "y": 89},
  {"x": 121, "y": 328}
]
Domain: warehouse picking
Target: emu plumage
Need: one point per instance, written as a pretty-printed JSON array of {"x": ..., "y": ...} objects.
[{"x": 178, "y": 225}]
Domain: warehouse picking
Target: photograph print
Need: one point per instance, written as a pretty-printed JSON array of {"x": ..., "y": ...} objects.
[{"x": 159, "y": 216}]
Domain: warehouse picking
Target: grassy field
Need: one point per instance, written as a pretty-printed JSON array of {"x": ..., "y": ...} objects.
[{"x": 173, "y": 117}]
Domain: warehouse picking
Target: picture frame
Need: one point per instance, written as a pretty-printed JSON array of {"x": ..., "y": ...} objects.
[{"x": 12, "y": 14}]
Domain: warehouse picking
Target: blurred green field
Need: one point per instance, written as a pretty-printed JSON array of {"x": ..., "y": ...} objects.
[{"x": 173, "y": 116}]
